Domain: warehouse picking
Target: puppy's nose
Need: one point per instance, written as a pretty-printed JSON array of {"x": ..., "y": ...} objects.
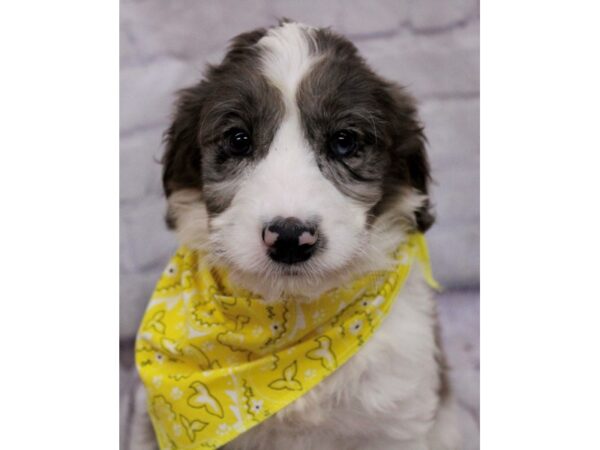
[{"x": 290, "y": 240}]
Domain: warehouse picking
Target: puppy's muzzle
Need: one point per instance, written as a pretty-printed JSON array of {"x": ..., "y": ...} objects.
[{"x": 290, "y": 240}]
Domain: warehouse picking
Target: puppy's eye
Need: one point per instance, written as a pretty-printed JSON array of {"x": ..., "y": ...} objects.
[
  {"x": 343, "y": 143},
  {"x": 238, "y": 141}
]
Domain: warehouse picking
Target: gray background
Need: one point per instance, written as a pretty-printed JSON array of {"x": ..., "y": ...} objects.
[{"x": 430, "y": 46}]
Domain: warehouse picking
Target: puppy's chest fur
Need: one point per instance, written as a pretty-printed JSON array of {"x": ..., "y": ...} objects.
[{"x": 388, "y": 392}]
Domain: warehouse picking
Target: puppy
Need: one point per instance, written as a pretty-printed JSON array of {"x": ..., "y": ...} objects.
[{"x": 293, "y": 132}]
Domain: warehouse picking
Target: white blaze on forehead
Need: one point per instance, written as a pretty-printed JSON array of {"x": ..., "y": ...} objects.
[
  {"x": 287, "y": 58},
  {"x": 289, "y": 175},
  {"x": 288, "y": 181}
]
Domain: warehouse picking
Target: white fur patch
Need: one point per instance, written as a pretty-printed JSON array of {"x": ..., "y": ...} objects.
[
  {"x": 287, "y": 183},
  {"x": 191, "y": 218},
  {"x": 287, "y": 58}
]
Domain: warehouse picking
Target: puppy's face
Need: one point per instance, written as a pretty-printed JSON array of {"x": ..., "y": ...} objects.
[{"x": 292, "y": 162}]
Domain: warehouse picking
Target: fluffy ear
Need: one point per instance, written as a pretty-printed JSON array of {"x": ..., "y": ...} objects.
[
  {"x": 412, "y": 162},
  {"x": 182, "y": 162},
  {"x": 182, "y": 158}
]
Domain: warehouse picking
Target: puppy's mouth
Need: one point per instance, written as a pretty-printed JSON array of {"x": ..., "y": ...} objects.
[{"x": 293, "y": 271}]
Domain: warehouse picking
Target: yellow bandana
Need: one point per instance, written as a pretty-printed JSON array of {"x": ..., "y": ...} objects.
[{"x": 215, "y": 364}]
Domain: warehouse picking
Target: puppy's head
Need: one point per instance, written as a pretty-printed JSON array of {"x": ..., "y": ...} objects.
[{"x": 293, "y": 164}]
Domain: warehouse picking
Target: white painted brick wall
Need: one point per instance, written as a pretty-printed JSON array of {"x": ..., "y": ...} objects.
[{"x": 431, "y": 46}]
